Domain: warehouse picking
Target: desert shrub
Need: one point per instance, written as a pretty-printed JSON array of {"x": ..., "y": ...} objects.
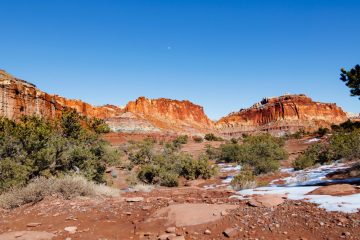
[
  {"x": 33, "y": 147},
  {"x": 347, "y": 126},
  {"x": 149, "y": 173},
  {"x": 322, "y": 131},
  {"x": 168, "y": 179},
  {"x": 341, "y": 145},
  {"x": 212, "y": 153},
  {"x": 165, "y": 168},
  {"x": 261, "y": 152},
  {"x": 345, "y": 145},
  {"x": 180, "y": 140},
  {"x": 98, "y": 125},
  {"x": 195, "y": 168},
  {"x": 314, "y": 154},
  {"x": 142, "y": 152},
  {"x": 234, "y": 140},
  {"x": 299, "y": 134},
  {"x": 231, "y": 152},
  {"x": 198, "y": 139},
  {"x": 67, "y": 187},
  {"x": 244, "y": 180},
  {"x": 212, "y": 137}
]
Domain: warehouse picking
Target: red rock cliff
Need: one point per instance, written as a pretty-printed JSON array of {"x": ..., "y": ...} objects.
[
  {"x": 18, "y": 98},
  {"x": 171, "y": 114},
  {"x": 287, "y": 113}
]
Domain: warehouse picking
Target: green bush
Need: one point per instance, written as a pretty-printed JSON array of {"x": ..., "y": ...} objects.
[
  {"x": 231, "y": 152},
  {"x": 317, "y": 153},
  {"x": 180, "y": 140},
  {"x": 347, "y": 126},
  {"x": 141, "y": 152},
  {"x": 299, "y": 134},
  {"x": 261, "y": 152},
  {"x": 212, "y": 137},
  {"x": 169, "y": 179},
  {"x": 244, "y": 180},
  {"x": 341, "y": 145},
  {"x": 322, "y": 131},
  {"x": 33, "y": 147},
  {"x": 165, "y": 168},
  {"x": 345, "y": 145},
  {"x": 212, "y": 153}
]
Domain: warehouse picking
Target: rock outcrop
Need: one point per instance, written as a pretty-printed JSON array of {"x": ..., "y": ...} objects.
[
  {"x": 287, "y": 113},
  {"x": 18, "y": 98},
  {"x": 279, "y": 115},
  {"x": 173, "y": 115}
]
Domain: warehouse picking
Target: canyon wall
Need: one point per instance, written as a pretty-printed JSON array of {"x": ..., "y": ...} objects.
[
  {"x": 278, "y": 115},
  {"x": 18, "y": 98},
  {"x": 171, "y": 114}
]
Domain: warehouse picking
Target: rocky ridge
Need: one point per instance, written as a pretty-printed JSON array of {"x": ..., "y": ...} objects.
[{"x": 278, "y": 115}]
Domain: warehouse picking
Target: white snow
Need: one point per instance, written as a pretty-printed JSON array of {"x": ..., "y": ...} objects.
[
  {"x": 228, "y": 167},
  {"x": 312, "y": 140},
  {"x": 303, "y": 182}
]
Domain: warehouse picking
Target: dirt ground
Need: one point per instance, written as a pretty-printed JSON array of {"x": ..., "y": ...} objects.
[
  {"x": 178, "y": 213},
  {"x": 119, "y": 218}
]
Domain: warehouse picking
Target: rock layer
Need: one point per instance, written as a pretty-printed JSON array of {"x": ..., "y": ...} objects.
[
  {"x": 278, "y": 115},
  {"x": 171, "y": 114},
  {"x": 18, "y": 98},
  {"x": 287, "y": 113}
]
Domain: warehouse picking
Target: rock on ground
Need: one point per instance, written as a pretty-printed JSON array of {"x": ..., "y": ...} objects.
[
  {"x": 267, "y": 200},
  {"x": 190, "y": 214},
  {"x": 27, "y": 235},
  {"x": 336, "y": 190}
]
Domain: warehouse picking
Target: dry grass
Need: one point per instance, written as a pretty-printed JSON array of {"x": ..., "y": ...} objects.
[
  {"x": 141, "y": 187},
  {"x": 244, "y": 185},
  {"x": 67, "y": 187}
]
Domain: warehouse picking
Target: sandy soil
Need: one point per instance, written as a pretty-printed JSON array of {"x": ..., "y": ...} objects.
[{"x": 119, "y": 219}]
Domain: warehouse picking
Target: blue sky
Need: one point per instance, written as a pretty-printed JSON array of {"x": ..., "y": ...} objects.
[{"x": 223, "y": 55}]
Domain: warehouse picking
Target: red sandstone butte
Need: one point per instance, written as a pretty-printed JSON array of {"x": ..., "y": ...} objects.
[
  {"x": 277, "y": 115},
  {"x": 287, "y": 113}
]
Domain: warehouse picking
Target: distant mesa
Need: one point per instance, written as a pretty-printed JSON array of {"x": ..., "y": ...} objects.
[{"x": 276, "y": 115}]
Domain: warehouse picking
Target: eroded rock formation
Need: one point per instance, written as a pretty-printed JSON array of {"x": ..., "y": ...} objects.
[
  {"x": 18, "y": 98},
  {"x": 171, "y": 114},
  {"x": 287, "y": 113},
  {"x": 278, "y": 115}
]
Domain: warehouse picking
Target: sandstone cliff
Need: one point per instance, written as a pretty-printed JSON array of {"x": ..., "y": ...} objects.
[
  {"x": 18, "y": 98},
  {"x": 171, "y": 114},
  {"x": 287, "y": 113},
  {"x": 278, "y": 115}
]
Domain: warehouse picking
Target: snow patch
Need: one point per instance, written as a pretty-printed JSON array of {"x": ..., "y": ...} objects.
[{"x": 301, "y": 183}]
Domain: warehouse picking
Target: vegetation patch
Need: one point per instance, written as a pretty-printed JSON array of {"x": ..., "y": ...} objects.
[
  {"x": 33, "y": 147},
  {"x": 165, "y": 166},
  {"x": 244, "y": 180},
  {"x": 341, "y": 145},
  {"x": 67, "y": 187},
  {"x": 261, "y": 153}
]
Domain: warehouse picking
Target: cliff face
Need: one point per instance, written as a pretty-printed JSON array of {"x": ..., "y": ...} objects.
[
  {"x": 171, "y": 114},
  {"x": 18, "y": 98},
  {"x": 278, "y": 115},
  {"x": 103, "y": 112}
]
